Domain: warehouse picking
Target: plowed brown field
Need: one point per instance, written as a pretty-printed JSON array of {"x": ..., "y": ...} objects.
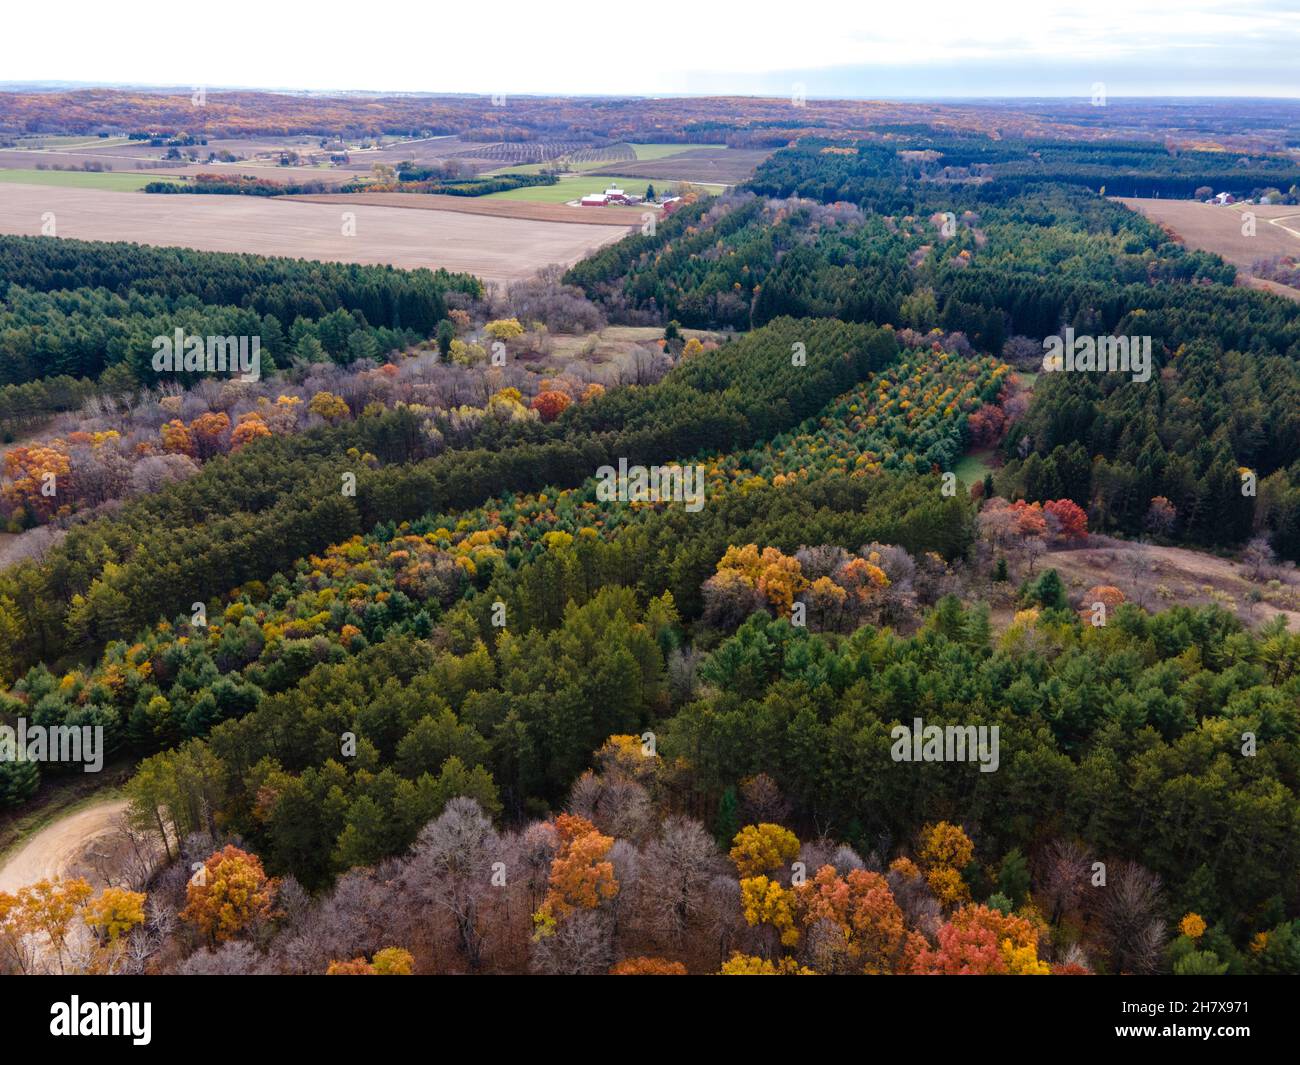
[{"x": 492, "y": 247}]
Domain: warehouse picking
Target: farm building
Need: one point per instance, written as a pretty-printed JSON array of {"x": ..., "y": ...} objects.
[{"x": 610, "y": 196}]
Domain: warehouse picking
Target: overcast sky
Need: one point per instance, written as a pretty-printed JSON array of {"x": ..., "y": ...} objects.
[{"x": 631, "y": 47}]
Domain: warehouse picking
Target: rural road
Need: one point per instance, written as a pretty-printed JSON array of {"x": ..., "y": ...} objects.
[
  {"x": 57, "y": 848},
  {"x": 1286, "y": 218}
]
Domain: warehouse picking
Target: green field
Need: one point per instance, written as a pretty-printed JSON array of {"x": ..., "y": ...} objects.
[
  {"x": 574, "y": 188},
  {"x": 83, "y": 179},
  {"x": 65, "y": 141}
]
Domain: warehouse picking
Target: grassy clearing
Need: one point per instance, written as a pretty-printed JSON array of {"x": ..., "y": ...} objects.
[
  {"x": 573, "y": 346},
  {"x": 112, "y": 181},
  {"x": 971, "y": 468}
]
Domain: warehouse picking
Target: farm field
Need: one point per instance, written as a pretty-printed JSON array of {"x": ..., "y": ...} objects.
[
  {"x": 254, "y": 156},
  {"x": 1218, "y": 229},
  {"x": 66, "y": 142},
  {"x": 265, "y": 171},
  {"x": 483, "y": 205},
  {"x": 422, "y": 151},
  {"x": 25, "y": 159},
  {"x": 645, "y": 153},
  {"x": 704, "y": 165},
  {"x": 493, "y": 248},
  {"x": 110, "y": 181}
]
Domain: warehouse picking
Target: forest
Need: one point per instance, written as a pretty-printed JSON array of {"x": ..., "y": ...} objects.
[
  {"x": 403, "y": 692},
  {"x": 1008, "y": 266}
]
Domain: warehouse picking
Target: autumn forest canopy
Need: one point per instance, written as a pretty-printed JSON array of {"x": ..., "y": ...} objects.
[{"x": 394, "y": 685}]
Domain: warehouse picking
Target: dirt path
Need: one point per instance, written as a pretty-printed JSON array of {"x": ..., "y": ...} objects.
[
  {"x": 1286, "y": 218},
  {"x": 60, "y": 849}
]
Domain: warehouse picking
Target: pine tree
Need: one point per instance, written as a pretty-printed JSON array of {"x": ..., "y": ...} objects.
[{"x": 727, "y": 823}]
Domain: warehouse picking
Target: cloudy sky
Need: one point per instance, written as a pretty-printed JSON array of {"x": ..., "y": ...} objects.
[{"x": 931, "y": 48}]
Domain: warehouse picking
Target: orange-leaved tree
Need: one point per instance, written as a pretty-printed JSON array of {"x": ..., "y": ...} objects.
[
  {"x": 229, "y": 894},
  {"x": 982, "y": 941},
  {"x": 870, "y": 934},
  {"x": 581, "y": 876},
  {"x": 648, "y": 967},
  {"x": 551, "y": 404}
]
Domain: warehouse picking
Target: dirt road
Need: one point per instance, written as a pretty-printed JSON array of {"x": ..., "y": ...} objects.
[{"x": 60, "y": 849}]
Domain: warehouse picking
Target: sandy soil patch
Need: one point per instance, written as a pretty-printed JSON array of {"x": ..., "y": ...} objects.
[{"x": 65, "y": 848}]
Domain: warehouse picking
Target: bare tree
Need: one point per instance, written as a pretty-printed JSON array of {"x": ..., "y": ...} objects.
[
  {"x": 1257, "y": 557},
  {"x": 1131, "y": 928},
  {"x": 722, "y": 913},
  {"x": 677, "y": 869},
  {"x": 613, "y": 802},
  {"x": 451, "y": 867},
  {"x": 761, "y": 801},
  {"x": 236, "y": 958},
  {"x": 359, "y": 916},
  {"x": 580, "y": 945},
  {"x": 920, "y": 908},
  {"x": 683, "y": 666},
  {"x": 1063, "y": 872}
]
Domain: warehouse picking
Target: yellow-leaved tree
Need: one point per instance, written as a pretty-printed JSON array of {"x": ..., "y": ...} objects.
[
  {"x": 762, "y": 848},
  {"x": 945, "y": 851}
]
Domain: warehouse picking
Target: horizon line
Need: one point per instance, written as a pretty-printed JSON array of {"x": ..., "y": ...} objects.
[{"x": 57, "y": 84}]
